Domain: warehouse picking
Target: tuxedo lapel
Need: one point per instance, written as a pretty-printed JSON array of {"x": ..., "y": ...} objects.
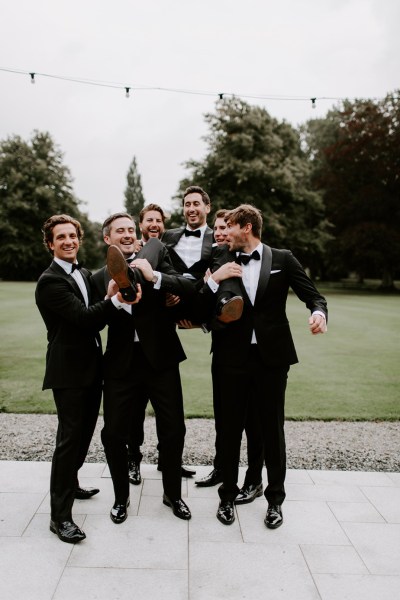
[
  {"x": 265, "y": 272},
  {"x": 208, "y": 240},
  {"x": 59, "y": 271}
]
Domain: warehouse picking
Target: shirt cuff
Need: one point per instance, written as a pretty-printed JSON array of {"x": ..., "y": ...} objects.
[
  {"x": 214, "y": 287},
  {"x": 157, "y": 284},
  {"x": 319, "y": 312},
  {"x": 116, "y": 302}
]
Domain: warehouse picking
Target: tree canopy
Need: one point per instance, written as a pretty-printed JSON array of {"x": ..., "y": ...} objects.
[
  {"x": 356, "y": 165},
  {"x": 35, "y": 184},
  {"x": 253, "y": 158},
  {"x": 134, "y": 198}
]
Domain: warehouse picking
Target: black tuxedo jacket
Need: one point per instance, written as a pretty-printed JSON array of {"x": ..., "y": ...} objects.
[
  {"x": 280, "y": 270},
  {"x": 152, "y": 320},
  {"x": 172, "y": 237},
  {"x": 74, "y": 346}
]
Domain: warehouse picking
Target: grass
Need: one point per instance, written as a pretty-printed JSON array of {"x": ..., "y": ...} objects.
[{"x": 352, "y": 373}]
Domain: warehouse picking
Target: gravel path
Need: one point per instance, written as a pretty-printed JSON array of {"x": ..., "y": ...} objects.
[{"x": 359, "y": 446}]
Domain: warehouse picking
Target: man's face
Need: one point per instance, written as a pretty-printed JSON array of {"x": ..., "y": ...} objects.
[
  {"x": 152, "y": 225},
  {"x": 122, "y": 234},
  {"x": 220, "y": 231},
  {"x": 65, "y": 244},
  {"x": 236, "y": 237},
  {"x": 195, "y": 211}
]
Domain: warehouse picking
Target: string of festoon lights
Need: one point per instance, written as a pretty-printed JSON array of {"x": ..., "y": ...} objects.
[{"x": 130, "y": 88}]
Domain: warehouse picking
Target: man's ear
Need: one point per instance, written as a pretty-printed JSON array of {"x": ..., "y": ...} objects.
[{"x": 107, "y": 240}]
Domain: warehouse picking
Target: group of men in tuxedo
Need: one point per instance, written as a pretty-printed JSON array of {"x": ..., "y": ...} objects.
[{"x": 228, "y": 281}]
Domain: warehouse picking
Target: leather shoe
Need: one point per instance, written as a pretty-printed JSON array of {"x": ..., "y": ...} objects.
[
  {"x": 248, "y": 493},
  {"x": 226, "y": 512},
  {"x": 179, "y": 508},
  {"x": 274, "y": 518},
  {"x": 214, "y": 477},
  {"x": 186, "y": 472},
  {"x": 85, "y": 493},
  {"x": 67, "y": 531},
  {"x": 119, "y": 512},
  {"x": 229, "y": 309},
  {"x": 134, "y": 472},
  {"x": 117, "y": 268}
]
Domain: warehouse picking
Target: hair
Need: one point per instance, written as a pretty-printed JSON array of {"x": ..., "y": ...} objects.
[
  {"x": 221, "y": 214},
  {"x": 246, "y": 213},
  {"x": 48, "y": 228},
  {"x": 149, "y": 207},
  {"x": 106, "y": 227},
  {"x": 195, "y": 189}
]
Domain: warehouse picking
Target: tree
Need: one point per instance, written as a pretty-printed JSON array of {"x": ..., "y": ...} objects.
[
  {"x": 34, "y": 184},
  {"x": 355, "y": 153},
  {"x": 253, "y": 158},
  {"x": 134, "y": 198}
]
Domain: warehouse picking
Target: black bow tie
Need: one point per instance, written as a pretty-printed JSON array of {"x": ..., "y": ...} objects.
[
  {"x": 246, "y": 258},
  {"x": 196, "y": 233},
  {"x": 76, "y": 266}
]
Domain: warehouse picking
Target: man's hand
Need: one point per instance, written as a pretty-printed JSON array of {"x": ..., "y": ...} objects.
[
  {"x": 143, "y": 265},
  {"x": 171, "y": 300},
  {"x": 317, "y": 324},
  {"x": 137, "y": 246},
  {"x": 228, "y": 270},
  {"x": 185, "y": 324}
]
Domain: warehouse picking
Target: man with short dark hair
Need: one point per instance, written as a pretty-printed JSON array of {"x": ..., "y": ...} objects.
[
  {"x": 252, "y": 355},
  {"x": 142, "y": 361},
  {"x": 73, "y": 365}
]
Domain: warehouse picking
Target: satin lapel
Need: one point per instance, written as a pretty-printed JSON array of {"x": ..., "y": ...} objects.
[
  {"x": 208, "y": 240},
  {"x": 60, "y": 271},
  {"x": 265, "y": 272},
  {"x": 86, "y": 274},
  {"x": 174, "y": 238}
]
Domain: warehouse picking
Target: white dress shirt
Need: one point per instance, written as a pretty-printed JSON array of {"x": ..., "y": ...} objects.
[{"x": 189, "y": 248}]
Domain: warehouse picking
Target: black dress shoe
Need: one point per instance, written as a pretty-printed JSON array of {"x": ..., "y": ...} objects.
[
  {"x": 274, "y": 518},
  {"x": 186, "y": 472},
  {"x": 226, "y": 512},
  {"x": 117, "y": 268},
  {"x": 85, "y": 493},
  {"x": 230, "y": 309},
  {"x": 248, "y": 493},
  {"x": 119, "y": 512},
  {"x": 134, "y": 472},
  {"x": 67, "y": 531},
  {"x": 179, "y": 508},
  {"x": 214, "y": 477}
]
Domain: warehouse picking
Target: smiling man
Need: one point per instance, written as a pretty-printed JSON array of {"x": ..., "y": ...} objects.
[
  {"x": 151, "y": 222},
  {"x": 141, "y": 362},
  {"x": 252, "y": 356},
  {"x": 73, "y": 365}
]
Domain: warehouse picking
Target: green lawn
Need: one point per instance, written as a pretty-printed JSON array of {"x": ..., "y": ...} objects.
[{"x": 350, "y": 373}]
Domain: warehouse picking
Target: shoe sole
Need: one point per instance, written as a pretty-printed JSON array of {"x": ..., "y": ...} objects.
[
  {"x": 239, "y": 502},
  {"x": 232, "y": 310},
  {"x": 118, "y": 270}
]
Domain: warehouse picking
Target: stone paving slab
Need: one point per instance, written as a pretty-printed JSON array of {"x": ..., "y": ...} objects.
[{"x": 340, "y": 539}]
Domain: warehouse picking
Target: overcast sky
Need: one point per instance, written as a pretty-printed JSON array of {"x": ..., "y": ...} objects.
[{"x": 297, "y": 48}]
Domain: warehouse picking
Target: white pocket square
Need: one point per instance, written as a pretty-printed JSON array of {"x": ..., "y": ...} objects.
[{"x": 277, "y": 271}]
